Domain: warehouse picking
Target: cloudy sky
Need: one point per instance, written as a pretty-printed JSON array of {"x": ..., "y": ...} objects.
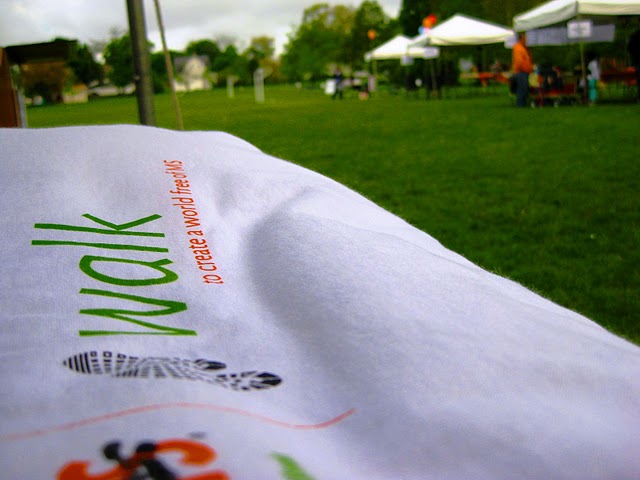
[{"x": 33, "y": 21}]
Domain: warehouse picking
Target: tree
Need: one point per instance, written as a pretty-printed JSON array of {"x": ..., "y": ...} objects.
[
  {"x": 369, "y": 17},
  {"x": 118, "y": 57},
  {"x": 204, "y": 47},
  {"x": 320, "y": 40},
  {"x": 260, "y": 49},
  {"x": 46, "y": 79},
  {"x": 412, "y": 12},
  {"x": 119, "y": 60},
  {"x": 503, "y": 11},
  {"x": 85, "y": 69},
  {"x": 223, "y": 41},
  {"x": 261, "y": 54},
  {"x": 159, "y": 70},
  {"x": 272, "y": 68},
  {"x": 444, "y": 10},
  {"x": 229, "y": 63},
  {"x": 97, "y": 46}
]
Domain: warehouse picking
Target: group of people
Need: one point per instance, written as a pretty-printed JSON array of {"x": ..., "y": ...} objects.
[
  {"x": 522, "y": 66},
  {"x": 356, "y": 83}
]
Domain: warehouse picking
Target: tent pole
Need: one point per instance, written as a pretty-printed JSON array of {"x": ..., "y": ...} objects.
[
  {"x": 424, "y": 76},
  {"x": 434, "y": 87},
  {"x": 483, "y": 56},
  {"x": 441, "y": 67},
  {"x": 375, "y": 74},
  {"x": 584, "y": 74},
  {"x": 583, "y": 67}
]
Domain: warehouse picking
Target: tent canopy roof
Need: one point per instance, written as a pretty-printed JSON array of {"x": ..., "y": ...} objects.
[
  {"x": 464, "y": 30},
  {"x": 397, "y": 47},
  {"x": 556, "y": 11}
]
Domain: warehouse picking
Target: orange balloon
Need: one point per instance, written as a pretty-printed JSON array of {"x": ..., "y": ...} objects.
[{"x": 429, "y": 21}]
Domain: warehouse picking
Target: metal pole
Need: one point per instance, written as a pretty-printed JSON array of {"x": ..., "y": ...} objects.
[
  {"x": 375, "y": 74},
  {"x": 582, "y": 67},
  {"x": 434, "y": 86},
  {"x": 169, "y": 65},
  {"x": 141, "y": 62},
  {"x": 585, "y": 93}
]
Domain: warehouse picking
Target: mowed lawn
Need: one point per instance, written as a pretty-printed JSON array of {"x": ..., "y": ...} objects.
[{"x": 548, "y": 197}]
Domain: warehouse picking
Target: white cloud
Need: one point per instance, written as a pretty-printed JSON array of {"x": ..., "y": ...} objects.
[{"x": 32, "y": 21}]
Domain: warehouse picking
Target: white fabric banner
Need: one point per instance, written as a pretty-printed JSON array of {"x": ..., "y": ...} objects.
[
  {"x": 181, "y": 305},
  {"x": 560, "y": 35}
]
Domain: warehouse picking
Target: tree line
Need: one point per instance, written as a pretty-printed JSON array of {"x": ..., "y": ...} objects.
[{"x": 328, "y": 36}]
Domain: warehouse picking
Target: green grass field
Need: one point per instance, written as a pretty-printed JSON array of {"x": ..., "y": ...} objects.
[{"x": 549, "y": 197}]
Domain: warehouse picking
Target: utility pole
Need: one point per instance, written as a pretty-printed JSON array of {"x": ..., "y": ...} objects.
[{"x": 141, "y": 62}]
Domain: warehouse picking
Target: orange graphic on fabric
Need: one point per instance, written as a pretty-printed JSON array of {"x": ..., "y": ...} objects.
[{"x": 145, "y": 458}]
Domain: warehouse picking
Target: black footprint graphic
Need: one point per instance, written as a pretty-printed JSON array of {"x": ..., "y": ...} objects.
[{"x": 119, "y": 365}]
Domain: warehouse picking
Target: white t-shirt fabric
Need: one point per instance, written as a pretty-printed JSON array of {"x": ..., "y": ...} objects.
[
  {"x": 182, "y": 304},
  {"x": 593, "y": 68}
]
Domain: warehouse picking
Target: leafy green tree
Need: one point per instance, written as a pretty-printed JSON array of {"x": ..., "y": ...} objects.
[
  {"x": 118, "y": 58},
  {"x": 370, "y": 24},
  {"x": 260, "y": 50},
  {"x": 412, "y": 12},
  {"x": 503, "y": 11},
  {"x": 230, "y": 62},
  {"x": 159, "y": 70},
  {"x": 320, "y": 40},
  {"x": 444, "y": 10},
  {"x": 46, "y": 79},
  {"x": 226, "y": 60},
  {"x": 85, "y": 68},
  {"x": 204, "y": 47},
  {"x": 223, "y": 41},
  {"x": 272, "y": 67},
  {"x": 119, "y": 63}
]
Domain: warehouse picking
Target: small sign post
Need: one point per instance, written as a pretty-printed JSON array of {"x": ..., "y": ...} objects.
[{"x": 579, "y": 30}]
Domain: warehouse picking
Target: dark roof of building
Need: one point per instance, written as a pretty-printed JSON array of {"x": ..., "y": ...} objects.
[{"x": 41, "y": 52}]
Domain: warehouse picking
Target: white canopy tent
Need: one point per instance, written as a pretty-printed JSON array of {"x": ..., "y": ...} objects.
[
  {"x": 547, "y": 24},
  {"x": 557, "y": 11},
  {"x": 397, "y": 48},
  {"x": 463, "y": 30}
]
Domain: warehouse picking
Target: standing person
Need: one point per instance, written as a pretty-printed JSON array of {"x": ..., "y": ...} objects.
[
  {"x": 339, "y": 78},
  {"x": 521, "y": 66},
  {"x": 633, "y": 47},
  {"x": 593, "y": 77}
]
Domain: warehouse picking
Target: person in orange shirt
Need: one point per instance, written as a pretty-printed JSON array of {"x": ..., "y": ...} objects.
[{"x": 521, "y": 67}]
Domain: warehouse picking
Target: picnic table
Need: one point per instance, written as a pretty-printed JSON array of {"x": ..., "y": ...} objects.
[{"x": 626, "y": 76}]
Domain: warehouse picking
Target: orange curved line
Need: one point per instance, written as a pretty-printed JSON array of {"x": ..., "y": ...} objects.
[{"x": 150, "y": 408}]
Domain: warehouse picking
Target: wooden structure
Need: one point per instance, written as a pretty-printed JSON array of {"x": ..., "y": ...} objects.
[
  {"x": 9, "y": 105},
  {"x": 18, "y": 55}
]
